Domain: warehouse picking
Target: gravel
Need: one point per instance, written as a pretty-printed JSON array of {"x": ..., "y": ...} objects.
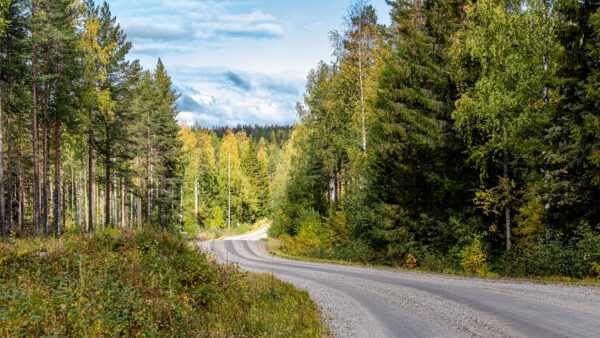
[{"x": 370, "y": 302}]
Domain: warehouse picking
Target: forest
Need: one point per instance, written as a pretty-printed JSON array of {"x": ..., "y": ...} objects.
[
  {"x": 229, "y": 175},
  {"x": 89, "y": 140},
  {"x": 462, "y": 137},
  {"x": 98, "y": 179}
]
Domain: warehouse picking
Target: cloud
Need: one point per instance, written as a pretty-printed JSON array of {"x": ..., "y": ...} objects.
[
  {"x": 190, "y": 22},
  {"x": 187, "y": 104},
  {"x": 217, "y": 97},
  {"x": 238, "y": 81},
  {"x": 160, "y": 32}
]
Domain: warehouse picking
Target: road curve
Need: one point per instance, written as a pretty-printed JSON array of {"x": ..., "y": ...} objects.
[{"x": 369, "y": 302}]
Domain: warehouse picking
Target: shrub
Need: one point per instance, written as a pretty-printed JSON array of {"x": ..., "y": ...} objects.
[
  {"x": 146, "y": 284},
  {"x": 411, "y": 261},
  {"x": 473, "y": 259}
]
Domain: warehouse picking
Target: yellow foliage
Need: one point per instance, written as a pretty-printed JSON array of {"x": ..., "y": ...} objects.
[
  {"x": 529, "y": 220},
  {"x": 411, "y": 261},
  {"x": 473, "y": 259}
]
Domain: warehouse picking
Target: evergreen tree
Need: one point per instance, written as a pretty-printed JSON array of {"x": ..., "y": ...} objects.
[
  {"x": 416, "y": 171},
  {"x": 165, "y": 143}
]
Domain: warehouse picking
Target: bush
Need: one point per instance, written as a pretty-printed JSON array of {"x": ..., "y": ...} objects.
[
  {"x": 125, "y": 283},
  {"x": 576, "y": 258},
  {"x": 473, "y": 259}
]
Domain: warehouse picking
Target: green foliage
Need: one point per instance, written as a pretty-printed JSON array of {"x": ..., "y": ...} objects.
[
  {"x": 482, "y": 117},
  {"x": 216, "y": 218},
  {"x": 122, "y": 283}
]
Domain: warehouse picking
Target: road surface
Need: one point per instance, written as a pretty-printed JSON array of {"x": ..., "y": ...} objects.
[{"x": 370, "y": 302}]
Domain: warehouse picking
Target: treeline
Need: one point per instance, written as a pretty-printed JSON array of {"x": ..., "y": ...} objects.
[
  {"x": 228, "y": 175},
  {"x": 87, "y": 139},
  {"x": 272, "y": 134},
  {"x": 464, "y": 136}
]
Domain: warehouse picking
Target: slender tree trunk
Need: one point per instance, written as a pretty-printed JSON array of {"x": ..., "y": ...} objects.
[
  {"x": 138, "y": 181},
  {"x": 36, "y": 160},
  {"x": 115, "y": 193},
  {"x": 21, "y": 185},
  {"x": 73, "y": 195},
  {"x": 57, "y": 224},
  {"x": 161, "y": 190},
  {"x": 125, "y": 203},
  {"x": 9, "y": 216},
  {"x": 181, "y": 206},
  {"x": 45, "y": 188},
  {"x": 78, "y": 201},
  {"x": 101, "y": 208},
  {"x": 507, "y": 187},
  {"x": 362, "y": 94},
  {"x": 90, "y": 187},
  {"x": 131, "y": 210},
  {"x": 195, "y": 197},
  {"x": 63, "y": 205},
  {"x": 149, "y": 182},
  {"x": 2, "y": 206},
  {"x": 107, "y": 191}
]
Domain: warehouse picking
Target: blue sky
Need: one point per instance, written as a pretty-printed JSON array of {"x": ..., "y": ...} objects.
[{"x": 234, "y": 62}]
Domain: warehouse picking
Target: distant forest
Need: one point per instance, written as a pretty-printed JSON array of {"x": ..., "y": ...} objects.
[{"x": 272, "y": 133}]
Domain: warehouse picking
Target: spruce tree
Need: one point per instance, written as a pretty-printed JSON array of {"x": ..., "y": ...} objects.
[
  {"x": 165, "y": 143},
  {"x": 415, "y": 166}
]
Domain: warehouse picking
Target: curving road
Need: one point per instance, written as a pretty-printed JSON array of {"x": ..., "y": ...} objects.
[{"x": 369, "y": 302}]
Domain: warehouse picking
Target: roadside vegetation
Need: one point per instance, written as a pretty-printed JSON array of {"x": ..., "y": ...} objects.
[
  {"x": 463, "y": 138},
  {"x": 208, "y": 234},
  {"x": 128, "y": 283}
]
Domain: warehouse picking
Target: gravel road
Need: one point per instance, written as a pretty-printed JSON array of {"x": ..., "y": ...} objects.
[{"x": 369, "y": 302}]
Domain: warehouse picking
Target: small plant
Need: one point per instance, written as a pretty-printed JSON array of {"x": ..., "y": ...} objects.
[
  {"x": 596, "y": 269},
  {"x": 411, "y": 261},
  {"x": 473, "y": 259}
]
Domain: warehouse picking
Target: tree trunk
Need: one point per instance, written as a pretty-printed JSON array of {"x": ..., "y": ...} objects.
[
  {"x": 72, "y": 213},
  {"x": 149, "y": 181},
  {"x": 195, "y": 197},
  {"x": 181, "y": 206},
  {"x": 90, "y": 187},
  {"x": 107, "y": 191},
  {"x": 36, "y": 160},
  {"x": 161, "y": 190},
  {"x": 57, "y": 224},
  {"x": 78, "y": 201},
  {"x": 138, "y": 181},
  {"x": 63, "y": 206},
  {"x": 45, "y": 188},
  {"x": 362, "y": 95},
  {"x": 2, "y": 206},
  {"x": 9, "y": 213},
  {"x": 126, "y": 205},
  {"x": 507, "y": 188},
  {"x": 115, "y": 193},
  {"x": 21, "y": 185}
]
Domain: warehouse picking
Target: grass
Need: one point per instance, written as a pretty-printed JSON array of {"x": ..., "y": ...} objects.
[
  {"x": 275, "y": 247},
  {"x": 219, "y": 233},
  {"x": 126, "y": 283}
]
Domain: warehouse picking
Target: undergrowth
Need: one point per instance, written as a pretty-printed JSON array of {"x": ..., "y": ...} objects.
[{"x": 126, "y": 283}]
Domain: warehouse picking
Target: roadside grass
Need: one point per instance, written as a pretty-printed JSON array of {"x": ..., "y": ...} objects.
[
  {"x": 276, "y": 248},
  {"x": 210, "y": 234},
  {"x": 122, "y": 283}
]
